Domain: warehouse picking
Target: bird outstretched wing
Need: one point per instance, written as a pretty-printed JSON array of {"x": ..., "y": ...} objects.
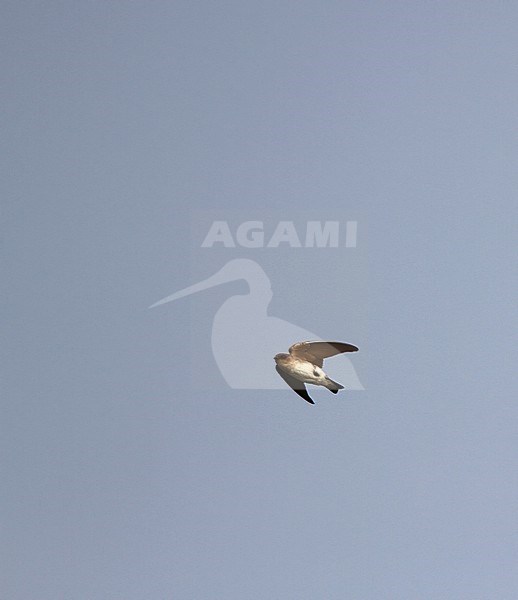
[
  {"x": 315, "y": 352},
  {"x": 295, "y": 384}
]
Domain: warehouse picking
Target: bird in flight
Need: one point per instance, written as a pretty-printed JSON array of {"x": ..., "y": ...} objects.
[{"x": 304, "y": 364}]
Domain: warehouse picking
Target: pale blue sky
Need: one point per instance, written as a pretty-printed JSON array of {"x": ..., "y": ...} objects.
[{"x": 123, "y": 123}]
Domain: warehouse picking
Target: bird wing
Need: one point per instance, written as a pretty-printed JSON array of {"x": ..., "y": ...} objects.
[
  {"x": 295, "y": 385},
  {"x": 315, "y": 352}
]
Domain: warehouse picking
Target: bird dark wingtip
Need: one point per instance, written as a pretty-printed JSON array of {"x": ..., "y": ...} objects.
[{"x": 350, "y": 347}]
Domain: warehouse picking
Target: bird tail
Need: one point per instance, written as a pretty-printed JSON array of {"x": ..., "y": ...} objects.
[{"x": 333, "y": 386}]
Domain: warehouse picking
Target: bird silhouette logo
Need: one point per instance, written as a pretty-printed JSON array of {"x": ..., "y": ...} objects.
[{"x": 245, "y": 338}]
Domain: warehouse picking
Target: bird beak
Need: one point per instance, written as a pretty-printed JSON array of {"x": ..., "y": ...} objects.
[{"x": 216, "y": 279}]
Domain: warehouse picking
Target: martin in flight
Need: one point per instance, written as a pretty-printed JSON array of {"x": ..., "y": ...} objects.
[{"x": 304, "y": 364}]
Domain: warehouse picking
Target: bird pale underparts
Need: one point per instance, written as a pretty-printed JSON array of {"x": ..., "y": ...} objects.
[{"x": 304, "y": 364}]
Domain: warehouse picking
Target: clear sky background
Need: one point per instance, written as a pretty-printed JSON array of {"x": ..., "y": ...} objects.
[{"x": 123, "y": 480}]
